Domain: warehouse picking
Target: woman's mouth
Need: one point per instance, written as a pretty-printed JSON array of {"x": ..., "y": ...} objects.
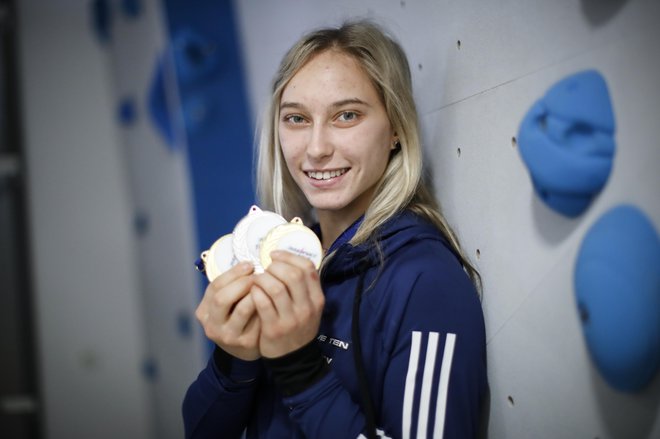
[{"x": 326, "y": 175}]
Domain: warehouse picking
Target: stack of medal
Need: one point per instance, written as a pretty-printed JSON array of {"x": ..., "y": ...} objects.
[{"x": 255, "y": 236}]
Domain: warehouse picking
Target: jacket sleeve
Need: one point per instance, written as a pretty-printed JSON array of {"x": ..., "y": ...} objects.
[
  {"x": 436, "y": 381},
  {"x": 216, "y": 402},
  {"x": 435, "y": 373}
]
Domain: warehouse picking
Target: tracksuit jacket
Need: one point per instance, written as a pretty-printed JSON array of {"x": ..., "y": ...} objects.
[{"x": 420, "y": 368}]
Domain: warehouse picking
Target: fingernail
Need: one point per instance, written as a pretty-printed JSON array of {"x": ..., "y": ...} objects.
[
  {"x": 245, "y": 266},
  {"x": 276, "y": 253}
]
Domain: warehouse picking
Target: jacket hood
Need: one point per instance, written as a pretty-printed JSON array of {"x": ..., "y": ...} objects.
[{"x": 399, "y": 231}]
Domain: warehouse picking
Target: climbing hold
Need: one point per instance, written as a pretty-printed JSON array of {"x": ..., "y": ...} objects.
[
  {"x": 617, "y": 288},
  {"x": 567, "y": 142}
]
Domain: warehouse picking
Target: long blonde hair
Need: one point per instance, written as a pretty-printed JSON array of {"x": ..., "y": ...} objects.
[{"x": 402, "y": 185}]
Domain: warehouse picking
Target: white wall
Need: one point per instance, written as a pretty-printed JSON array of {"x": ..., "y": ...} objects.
[
  {"x": 89, "y": 325},
  {"x": 109, "y": 300},
  {"x": 473, "y": 98}
]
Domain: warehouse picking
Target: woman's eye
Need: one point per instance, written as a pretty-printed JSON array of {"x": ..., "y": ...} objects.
[
  {"x": 294, "y": 119},
  {"x": 348, "y": 116}
]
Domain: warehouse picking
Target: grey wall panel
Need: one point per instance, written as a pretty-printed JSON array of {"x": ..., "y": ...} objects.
[{"x": 88, "y": 310}]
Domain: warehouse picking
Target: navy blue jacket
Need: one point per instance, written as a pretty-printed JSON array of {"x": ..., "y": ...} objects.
[{"x": 423, "y": 347}]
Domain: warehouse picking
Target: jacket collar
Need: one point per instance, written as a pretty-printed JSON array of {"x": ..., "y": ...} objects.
[{"x": 402, "y": 229}]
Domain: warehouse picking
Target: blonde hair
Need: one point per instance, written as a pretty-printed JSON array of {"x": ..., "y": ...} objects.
[{"x": 402, "y": 185}]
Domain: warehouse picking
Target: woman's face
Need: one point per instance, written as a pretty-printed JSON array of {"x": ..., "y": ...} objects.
[{"x": 335, "y": 134}]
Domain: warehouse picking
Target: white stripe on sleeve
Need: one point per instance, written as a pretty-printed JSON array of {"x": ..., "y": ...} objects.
[
  {"x": 443, "y": 387},
  {"x": 427, "y": 383},
  {"x": 409, "y": 392}
]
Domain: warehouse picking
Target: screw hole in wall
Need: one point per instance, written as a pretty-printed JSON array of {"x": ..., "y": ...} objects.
[
  {"x": 458, "y": 44},
  {"x": 514, "y": 142},
  {"x": 479, "y": 257},
  {"x": 419, "y": 66},
  {"x": 510, "y": 400},
  {"x": 458, "y": 152}
]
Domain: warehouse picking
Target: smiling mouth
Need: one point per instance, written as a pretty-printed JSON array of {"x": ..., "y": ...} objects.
[{"x": 326, "y": 175}]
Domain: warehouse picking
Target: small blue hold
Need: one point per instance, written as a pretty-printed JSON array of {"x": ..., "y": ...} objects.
[
  {"x": 617, "y": 288},
  {"x": 184, "y": 324},
  {"x": 131, "y": 8},
  {"x": 141, "y": 223},
  {"x": 195, "y": 56},
  {"x": 194, "y": 61},
  {"x": 567, "y": 142},
  {"x": 101, "y": 17},
  {"x": 150, "y": 369},
  {"x": 127, "y": 112}
]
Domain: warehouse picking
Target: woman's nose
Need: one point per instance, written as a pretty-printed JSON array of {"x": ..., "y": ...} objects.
[{"x": 320, "y": 144}]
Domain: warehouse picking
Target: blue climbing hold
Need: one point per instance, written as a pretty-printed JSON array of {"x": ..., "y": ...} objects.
[
  {"x": 131, "y": 8},
  {"x": 101, "y": 17},
  {"x": 195, "y": 63},
  {"x": 567, "y": 142},
  {"x": 127, "y": 112},
  {"x": 184, "y": 324},
  {"x": 617, "y": 288}
]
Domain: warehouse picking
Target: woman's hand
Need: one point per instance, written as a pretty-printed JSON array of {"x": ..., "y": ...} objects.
[
  {"x": 228, "y": 315},
  {"x": 289, "y": 301}
]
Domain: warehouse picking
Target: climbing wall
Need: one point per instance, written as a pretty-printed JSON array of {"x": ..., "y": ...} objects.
[
  {"x": 138, "y": 149},
  {"x": 478, "y": 69}
]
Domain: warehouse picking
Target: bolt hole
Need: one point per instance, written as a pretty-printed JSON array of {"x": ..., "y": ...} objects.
[
  {"x": 510, "y": 399},
  {"x": 458, "y": 152},
  {"x": 514, "y": 142},
  {"x": 458, "y": 44}
]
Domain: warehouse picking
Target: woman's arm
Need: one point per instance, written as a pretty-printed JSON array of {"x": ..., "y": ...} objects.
[
  {"x": 219, "y": 403},
  {"x": 436, "y": 381}
]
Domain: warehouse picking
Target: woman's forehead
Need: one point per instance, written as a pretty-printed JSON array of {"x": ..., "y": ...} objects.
[{"x": 330, "y": 76}]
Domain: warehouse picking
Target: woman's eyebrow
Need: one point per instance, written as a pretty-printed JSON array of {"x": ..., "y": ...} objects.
[
  {"x": 294, "y": 105},
  {"x": 350, "y": 101},
  {"x": 334, "y": 105}
]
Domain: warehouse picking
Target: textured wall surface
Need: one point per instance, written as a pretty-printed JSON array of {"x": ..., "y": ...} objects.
[
  {"x": 112, "y": 226},
  {"x": 86, "y": 282},
  {"x": 477, "y": 68}
]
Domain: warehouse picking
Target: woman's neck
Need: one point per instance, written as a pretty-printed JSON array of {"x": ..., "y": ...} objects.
[{"x": 332, "y": 225}]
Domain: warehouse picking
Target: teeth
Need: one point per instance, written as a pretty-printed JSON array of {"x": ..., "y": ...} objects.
[{"x": 326, "y": 175}]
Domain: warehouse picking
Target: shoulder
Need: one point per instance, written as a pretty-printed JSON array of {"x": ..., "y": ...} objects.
[
  {"x": 428, "y": 257},
  {"x": 425, "y": 279}
]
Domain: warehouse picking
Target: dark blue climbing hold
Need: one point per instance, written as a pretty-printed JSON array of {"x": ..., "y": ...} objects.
[
  {"x": 567, "y": 142},
  {"x": 184, "y": 324},
  {"x": 141, "y": 223},
  {"x": 195, "y": 56},
  {"x": 101, "y": 17},
  {"x": 617, "y": 288},
  {"x": 131, "y": 8},
  {"x": 194, "y": 62},
  {"x": 150, "y": 369},
  {"x": 127, "y": 113}
]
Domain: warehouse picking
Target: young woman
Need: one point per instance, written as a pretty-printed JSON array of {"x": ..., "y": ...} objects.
[{"x": 388, "y": 339}]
